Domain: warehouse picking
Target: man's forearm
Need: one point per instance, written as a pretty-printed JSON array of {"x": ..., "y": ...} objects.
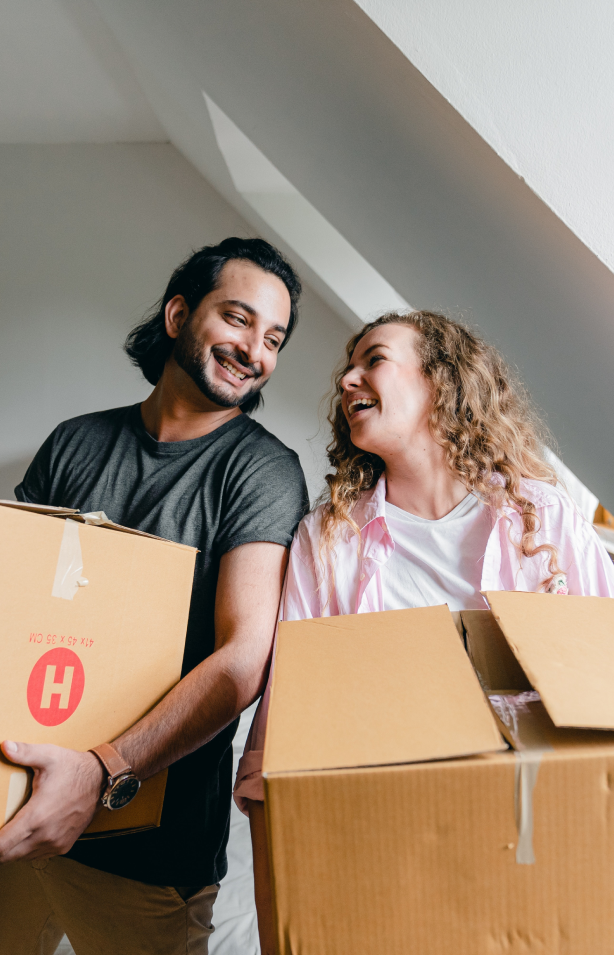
[
  {"x": 209, "y": 698},
  {"x": 223, "y": 685}
]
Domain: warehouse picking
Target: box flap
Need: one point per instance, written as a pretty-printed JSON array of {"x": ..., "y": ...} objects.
[
  {"x": 374, "y": 689},
  {"x": 41, "y": 508},
  {"x": 96, "y": 518},
  {"x": 565, "y": 646},
  {"x": 495, "y": 664},
  {"x": 100, "y": 519}
]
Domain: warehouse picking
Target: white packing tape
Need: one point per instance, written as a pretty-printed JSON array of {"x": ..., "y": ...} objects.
[
  {"x": 527, "y": 768},
  {"x": 530, "y": 742},
  {"x": 95, "y": 517},
  {"x": 69, "y": 567}
]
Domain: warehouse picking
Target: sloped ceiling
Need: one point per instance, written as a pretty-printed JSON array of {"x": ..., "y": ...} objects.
[
  {"x": 359, "y": 132},
  {"x": 536, "y": 80}
]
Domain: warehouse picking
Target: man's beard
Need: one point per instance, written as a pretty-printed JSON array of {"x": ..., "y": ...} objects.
[{"x": 187, "y": 354}]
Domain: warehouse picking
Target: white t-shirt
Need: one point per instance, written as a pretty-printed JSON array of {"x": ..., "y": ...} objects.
[{"x": 436, "y": 562}]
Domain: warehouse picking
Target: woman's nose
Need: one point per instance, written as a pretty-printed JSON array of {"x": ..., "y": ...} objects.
[{"x": 350, "y": 380}]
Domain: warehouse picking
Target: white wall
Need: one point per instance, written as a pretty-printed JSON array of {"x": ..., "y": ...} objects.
[
  {"x": 90, "y": 236},
  {"x": 536, "y": 80},
  {"x": 353, "y": 124}
]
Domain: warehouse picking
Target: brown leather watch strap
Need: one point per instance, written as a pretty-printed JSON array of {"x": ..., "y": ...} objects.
[{"x": 111, "y": 760}]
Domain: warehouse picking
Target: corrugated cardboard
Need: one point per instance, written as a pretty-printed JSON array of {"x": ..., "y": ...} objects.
[
  {"x": 104, "y": 657},
  {"x": 566, "y": 649},
  {"x": 420, "y": 858},
  {"x": 490, "y": 653},
  {"x": 345, "y": 696}
]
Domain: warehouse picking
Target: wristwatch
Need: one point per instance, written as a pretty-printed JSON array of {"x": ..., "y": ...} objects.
[{"x": 122, "y": 784}]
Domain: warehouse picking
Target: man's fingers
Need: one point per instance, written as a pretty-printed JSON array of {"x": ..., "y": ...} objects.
[
  {"x": 65, "y": 795},
  {"x": 10, "y": 750},
  {"x": 27, "y": 754},
  {"x": 13, "y": 834},
  {"x": 29, "y": 836}
]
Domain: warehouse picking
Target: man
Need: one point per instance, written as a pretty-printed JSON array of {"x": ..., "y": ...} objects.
[{"x": 187, "y": 464}]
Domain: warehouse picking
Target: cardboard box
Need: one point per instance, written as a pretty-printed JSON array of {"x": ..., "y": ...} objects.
[
  {"x": 93, "y": 622},
  {"x": 385, "y": 835}
]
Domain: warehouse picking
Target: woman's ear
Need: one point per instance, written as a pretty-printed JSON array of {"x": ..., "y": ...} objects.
[{"x": 175, "y": 314}]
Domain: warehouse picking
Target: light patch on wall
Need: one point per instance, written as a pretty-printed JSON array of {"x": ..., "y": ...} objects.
[
  {"x": 315, "y": 240},
  {"x": 585, "y": 499}
]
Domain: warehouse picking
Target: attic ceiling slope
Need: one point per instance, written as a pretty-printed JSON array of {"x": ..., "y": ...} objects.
[
  {"x": 358, "y": 130},
  {"x": 536, "y": 81}
]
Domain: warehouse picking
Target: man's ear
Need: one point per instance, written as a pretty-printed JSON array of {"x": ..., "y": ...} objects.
[{"x": 175, "y": 314}]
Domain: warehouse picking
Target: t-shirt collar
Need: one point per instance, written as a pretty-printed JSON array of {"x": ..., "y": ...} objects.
[{"x": 181, "y": 447}]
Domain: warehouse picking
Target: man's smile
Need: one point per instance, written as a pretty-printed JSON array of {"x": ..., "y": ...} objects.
[
  {"x": 235, "y": 371},
  {"x": 225, "y": 363}
]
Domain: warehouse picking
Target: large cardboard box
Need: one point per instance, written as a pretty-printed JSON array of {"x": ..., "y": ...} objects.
[
  {"x": 93, "y": 620},
  {"x": 399, "y": 821}
]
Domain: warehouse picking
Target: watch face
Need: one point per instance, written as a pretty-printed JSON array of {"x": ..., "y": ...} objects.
[{"x": 124, "y": 790}]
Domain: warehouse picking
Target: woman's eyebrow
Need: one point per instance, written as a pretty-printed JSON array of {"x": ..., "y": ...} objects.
[{"x": 373, "y": 347}]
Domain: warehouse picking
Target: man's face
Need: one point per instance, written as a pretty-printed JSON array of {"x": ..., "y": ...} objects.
[{"x": 229, "y": 344}]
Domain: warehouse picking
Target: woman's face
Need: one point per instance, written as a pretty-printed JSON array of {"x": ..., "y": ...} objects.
[{"x": 386, "y": 398}]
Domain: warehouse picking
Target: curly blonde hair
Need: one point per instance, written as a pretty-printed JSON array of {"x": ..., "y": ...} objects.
[{"x": 481, "y": 417}]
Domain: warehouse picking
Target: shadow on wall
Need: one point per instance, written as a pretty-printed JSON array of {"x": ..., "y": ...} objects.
[{"x": 11, "y": 474}]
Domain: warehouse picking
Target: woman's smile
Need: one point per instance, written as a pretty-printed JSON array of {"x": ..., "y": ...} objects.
[{"x": 357, "y": 404}]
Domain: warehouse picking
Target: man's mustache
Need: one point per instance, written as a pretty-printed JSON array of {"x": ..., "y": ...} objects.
[{"x": 255, "y": 371}]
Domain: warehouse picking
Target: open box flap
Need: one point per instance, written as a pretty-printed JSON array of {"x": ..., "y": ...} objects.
[
  {"x": 565, "y": 646},
  {"x": 96, "y": 518},
  {"x": 374, "y": 689},
  {"x": 48, "y": 509},
  {"x": 493, "y": 660}
]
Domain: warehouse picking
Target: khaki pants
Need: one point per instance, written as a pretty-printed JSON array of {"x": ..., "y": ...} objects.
[{"x": 101, "y": 914}]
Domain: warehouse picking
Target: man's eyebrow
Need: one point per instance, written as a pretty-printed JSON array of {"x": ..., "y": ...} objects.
[{"x": 247, "y": 308}]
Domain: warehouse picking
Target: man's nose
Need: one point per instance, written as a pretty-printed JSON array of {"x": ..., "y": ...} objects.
[{"x": 250, "y": 348}]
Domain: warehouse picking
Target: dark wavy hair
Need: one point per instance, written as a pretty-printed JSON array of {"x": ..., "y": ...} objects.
[{"x": 149, "y": 347}]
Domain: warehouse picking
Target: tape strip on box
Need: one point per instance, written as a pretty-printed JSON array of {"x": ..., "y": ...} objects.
[
  {"x": 69, "y": 568},
  {"x": 530, "y": 744}
]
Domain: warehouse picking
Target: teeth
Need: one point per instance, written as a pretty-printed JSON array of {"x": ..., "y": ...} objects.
[
  {"x": 361, "y": 403},
  {"x": 231, "y": 369}
]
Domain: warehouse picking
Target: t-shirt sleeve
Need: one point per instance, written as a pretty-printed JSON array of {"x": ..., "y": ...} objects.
[
  {"x": 36, "y": 485},
  {"x": 263, "y": 502}
]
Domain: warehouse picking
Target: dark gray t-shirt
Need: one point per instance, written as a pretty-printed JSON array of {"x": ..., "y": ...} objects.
[{"x": 234, "y": 486}]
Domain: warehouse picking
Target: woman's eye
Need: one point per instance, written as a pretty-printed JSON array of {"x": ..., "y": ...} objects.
[{"x": 374, "y": 358}]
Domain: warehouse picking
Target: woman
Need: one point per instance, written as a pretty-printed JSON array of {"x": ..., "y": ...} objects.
[{"x": 439, "y": 491}]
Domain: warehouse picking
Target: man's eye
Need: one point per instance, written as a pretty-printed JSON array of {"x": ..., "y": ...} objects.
[
  {"x": 235, "y": 317},
  {"x": 273, "y": 342}
]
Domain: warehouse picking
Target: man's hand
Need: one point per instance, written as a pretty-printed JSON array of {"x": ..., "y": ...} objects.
[{"x": 65, "y": 795}]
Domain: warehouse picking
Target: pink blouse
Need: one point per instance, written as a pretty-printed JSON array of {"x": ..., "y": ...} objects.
[{"x": 313, "y": 590}]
